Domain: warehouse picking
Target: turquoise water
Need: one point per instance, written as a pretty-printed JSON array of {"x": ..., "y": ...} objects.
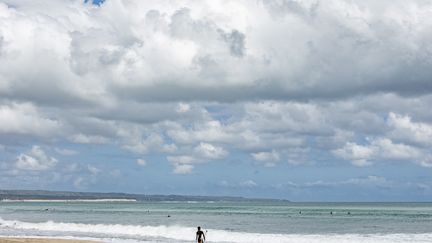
[{"x": 223, "y": 221}]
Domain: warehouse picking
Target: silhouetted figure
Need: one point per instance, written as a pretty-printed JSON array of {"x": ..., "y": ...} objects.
[
  {"x": 200, "y": 237},
  {"x": 331, "y": 212}
]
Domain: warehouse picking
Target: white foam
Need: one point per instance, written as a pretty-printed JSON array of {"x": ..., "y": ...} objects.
[{"x": 182, "y": 233}]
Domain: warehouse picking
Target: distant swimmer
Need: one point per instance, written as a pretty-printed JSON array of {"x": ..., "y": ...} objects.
[
  {"x": 200, "y": 237},
  {"x": 349, "y": 213},
  {"x": 300, "y": 212},
  {"x": 331, "y": 212}
]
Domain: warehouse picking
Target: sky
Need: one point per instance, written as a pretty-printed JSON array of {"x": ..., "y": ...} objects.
[{"x": 305, "y": 100}]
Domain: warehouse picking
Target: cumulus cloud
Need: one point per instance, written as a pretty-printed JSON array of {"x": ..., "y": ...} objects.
[
  {"x": 183, "y": 164},
  {"x": 183, "y": 168},
  {"x": 405, "y": 130},
  {"x": 359, "y": 155},
  {"x": 209, "y": 131},
  {"x": 379, "y": 149},
  {"x": 144, "y": 145},
  {"x": 203, "y": 152},
  {"x": 209, "y": 151},
  {"x": 156, "y": 50},
  {"x": 268, "y": 158},
  {"x": 24, "y": 118},
  {"x": 193, "y": 81},
  {"x": 35, "y": 160},
  {"x": 182, "y": 108}
]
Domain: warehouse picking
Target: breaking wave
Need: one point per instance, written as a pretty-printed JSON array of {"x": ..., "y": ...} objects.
[{"x": 181, "y": 233}]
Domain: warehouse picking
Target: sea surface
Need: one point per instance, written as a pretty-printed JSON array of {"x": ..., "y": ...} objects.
[{"x": 247, "y": 222}]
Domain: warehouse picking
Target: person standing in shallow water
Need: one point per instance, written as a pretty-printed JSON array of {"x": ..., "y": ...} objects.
[{"x": 200, "y": 237}]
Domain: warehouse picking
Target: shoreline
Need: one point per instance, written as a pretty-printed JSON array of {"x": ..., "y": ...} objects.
[{"x": 16, "y": 239}]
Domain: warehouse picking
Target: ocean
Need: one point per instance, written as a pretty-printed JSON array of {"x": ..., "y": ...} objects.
[{"x": 248, "y": 222}]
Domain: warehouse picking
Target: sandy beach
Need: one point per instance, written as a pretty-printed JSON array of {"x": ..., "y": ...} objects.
[{"x": 41, "y": 240}]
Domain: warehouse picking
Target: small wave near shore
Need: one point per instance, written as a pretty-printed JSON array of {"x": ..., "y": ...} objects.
[{"x": 166, "y": 233}]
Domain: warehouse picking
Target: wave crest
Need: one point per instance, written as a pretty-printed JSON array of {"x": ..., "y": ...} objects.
[{"x": 182, "y": 233}]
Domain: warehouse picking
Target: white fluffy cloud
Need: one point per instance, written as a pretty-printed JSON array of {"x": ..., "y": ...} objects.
[
  {"x": 197, "y": 81},
  {"x": 209, "y": 151},
  {"x": 358, "y": 154},
  {"x": 183, "y": 164},
  {"x": 380, "y": 149},
  {"x": 404, "y": 129},
  {"x": 153, "y": 142},
  {"x": 231, "y": 50},
  {"x": 401, "y": 140},
  {"x": 268, "y": 158},
  {"x": 35, "y": 160},
  {"x": 203, "y": 152},
  {"x": 183, "y": 168},
  {"x": 24, "y": 118}
]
